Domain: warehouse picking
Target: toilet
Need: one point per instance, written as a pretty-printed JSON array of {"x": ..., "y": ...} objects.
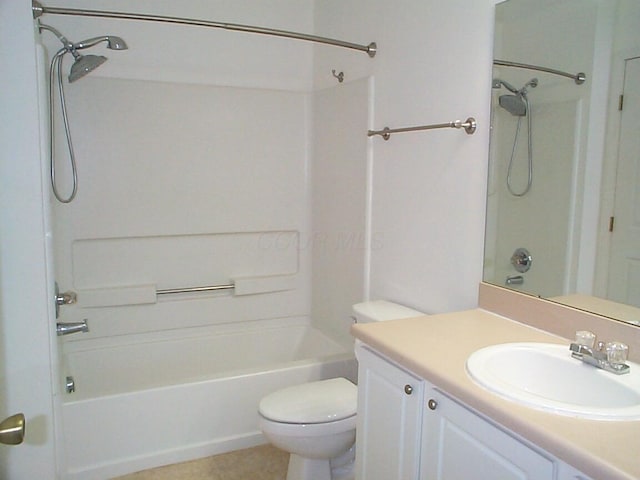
[{"x": 316, "y": 422}]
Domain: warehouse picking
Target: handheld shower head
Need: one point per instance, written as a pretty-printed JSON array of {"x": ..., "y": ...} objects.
[
  {"x": 533, "y": 83},
  {"x": 113, "y": 43}
]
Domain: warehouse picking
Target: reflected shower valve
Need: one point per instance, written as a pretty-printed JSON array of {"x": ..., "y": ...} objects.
[{"x": 521, "y": 260}]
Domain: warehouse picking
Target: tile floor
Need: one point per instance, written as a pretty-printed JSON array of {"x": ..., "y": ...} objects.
[{"x": 264, "y": 462}]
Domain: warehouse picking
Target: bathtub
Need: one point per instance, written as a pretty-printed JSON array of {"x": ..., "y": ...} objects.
[{"x": 161, "y": 398}]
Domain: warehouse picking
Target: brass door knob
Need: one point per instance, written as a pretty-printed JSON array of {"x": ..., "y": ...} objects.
[{"x": 12, "y": 430}]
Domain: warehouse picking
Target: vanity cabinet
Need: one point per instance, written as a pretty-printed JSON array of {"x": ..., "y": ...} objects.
[
  {"x": 458, "y": 444},
  {"x": 389, "y": 420},
  {"x": 409, "y": 430}
]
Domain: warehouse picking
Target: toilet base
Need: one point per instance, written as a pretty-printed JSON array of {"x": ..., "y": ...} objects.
[{"x": 301, "y": 468}]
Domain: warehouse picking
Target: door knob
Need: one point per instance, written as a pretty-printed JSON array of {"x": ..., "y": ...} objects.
[{"x": 12, "y": 429}]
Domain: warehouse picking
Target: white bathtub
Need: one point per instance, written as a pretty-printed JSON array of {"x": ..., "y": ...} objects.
[{"x": 160, "y": 400}]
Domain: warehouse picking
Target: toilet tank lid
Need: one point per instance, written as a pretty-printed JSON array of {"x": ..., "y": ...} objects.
[
  {"x": 380, "y": 310},
  {"x": 314, "y": 402}
]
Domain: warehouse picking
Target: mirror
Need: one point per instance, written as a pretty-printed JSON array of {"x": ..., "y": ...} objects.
[{"x": 564, "y": 167}]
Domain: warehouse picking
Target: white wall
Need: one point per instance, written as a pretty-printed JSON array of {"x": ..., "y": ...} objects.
[
  {"x": 339, "y": 204},
  {"x": 182, "y": 185},
  {"x": 427, "y": 189},
  {"x": 26, "y": 330}
]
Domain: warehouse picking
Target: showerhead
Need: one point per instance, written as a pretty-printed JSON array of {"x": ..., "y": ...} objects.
[
  {"x": 514, "y": 104},
  {"x": 518, "y": 103},
  {"x": 83, "y": 65}
]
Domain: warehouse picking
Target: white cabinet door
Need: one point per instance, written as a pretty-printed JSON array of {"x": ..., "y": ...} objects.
[
  {"x": 389, "y": 420},
  {"x": 457, "y": 444}
]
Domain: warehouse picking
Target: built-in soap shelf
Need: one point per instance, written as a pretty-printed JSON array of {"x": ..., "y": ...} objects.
[{"x": 149, "y": 294}]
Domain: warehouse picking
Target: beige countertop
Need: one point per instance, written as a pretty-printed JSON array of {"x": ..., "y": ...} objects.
[{"x": 436, "y": 348}]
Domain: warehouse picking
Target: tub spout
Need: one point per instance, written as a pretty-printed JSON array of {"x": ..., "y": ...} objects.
[{"x": 72, "y": 327}]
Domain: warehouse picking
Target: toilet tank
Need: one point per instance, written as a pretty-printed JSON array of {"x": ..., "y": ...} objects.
[{"x": 380, "y": 310}]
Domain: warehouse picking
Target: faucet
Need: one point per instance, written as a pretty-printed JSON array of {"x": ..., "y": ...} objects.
[
  {"x": 610, "y": 356},
  {"x": 72, "y": 327}
]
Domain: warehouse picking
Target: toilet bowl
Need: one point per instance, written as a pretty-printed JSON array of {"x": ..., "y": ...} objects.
[{"x": 316, "y": 422}]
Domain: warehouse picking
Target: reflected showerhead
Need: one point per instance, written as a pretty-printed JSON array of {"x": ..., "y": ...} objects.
[
  {"x": 514, "y": 104},
  {"x": 84, "y": 64}
]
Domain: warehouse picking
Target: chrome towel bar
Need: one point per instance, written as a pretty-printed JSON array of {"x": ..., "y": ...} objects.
[
  {"x": 208, "y": 288},
  {"x": 469, "y": 126}
]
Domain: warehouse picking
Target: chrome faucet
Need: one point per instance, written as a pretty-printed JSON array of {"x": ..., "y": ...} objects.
[
  {"x": 610, "y": 357},
  {"x": 72, "y": 327}
]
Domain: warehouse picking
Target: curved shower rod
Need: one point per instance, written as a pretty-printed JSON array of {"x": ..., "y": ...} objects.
[
  {"x": 579, "y": 78},
  {"x": 39, "y": 9}
]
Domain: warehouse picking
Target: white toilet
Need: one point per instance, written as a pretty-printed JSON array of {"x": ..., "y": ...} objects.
[{"x": 316, "y": 422}]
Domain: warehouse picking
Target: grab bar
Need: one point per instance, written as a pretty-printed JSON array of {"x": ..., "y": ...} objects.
[
  {"x": 208, "y": 288},
  {"x": 469, "y": 126}
]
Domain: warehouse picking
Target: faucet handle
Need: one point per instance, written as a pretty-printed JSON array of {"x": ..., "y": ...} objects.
[
  {"x": 617, "y": 353},
  {"x": 586, "y": 338}
]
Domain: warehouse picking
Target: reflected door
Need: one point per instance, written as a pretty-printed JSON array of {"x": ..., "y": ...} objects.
[{"x": 624, "y": 273}]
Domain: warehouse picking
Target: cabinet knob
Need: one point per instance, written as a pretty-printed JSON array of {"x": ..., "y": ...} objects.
[
  {"x": 408, "y": 389},
  {"x": 432, "y": 404}
]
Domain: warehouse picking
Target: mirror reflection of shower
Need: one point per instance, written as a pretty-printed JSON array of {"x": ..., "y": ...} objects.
[
  {"x": 517, "y": 104},
  {"x": 82, "y": 65}
]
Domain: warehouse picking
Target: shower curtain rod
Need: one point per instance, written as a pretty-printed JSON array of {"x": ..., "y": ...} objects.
[
  {"x": 579, "y": 78},
  {"x": 39, "y": 9}
]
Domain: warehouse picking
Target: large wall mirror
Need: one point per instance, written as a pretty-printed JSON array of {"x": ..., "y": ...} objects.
[{"x": 563, "y": 207}]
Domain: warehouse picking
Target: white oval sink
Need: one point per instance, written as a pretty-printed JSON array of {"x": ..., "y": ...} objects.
[{"x": 546, "y": 377}]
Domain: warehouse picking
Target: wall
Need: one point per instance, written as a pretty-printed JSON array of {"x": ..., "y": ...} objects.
[
  {"x": 339, "y": 204},
  {"x": 26, "y": 328},
  {"x": 427, "y": 190}
]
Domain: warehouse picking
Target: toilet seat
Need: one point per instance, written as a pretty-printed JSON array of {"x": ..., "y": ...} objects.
[
  {"x": 308, "y": 430},
  {"x": 325, "y": 401}
]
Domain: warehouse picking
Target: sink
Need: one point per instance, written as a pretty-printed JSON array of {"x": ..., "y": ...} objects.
[{"x": 544, "y": 376}]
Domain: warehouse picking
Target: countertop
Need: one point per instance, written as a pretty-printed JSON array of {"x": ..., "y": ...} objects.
[{"x": 436, "y": 348}]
